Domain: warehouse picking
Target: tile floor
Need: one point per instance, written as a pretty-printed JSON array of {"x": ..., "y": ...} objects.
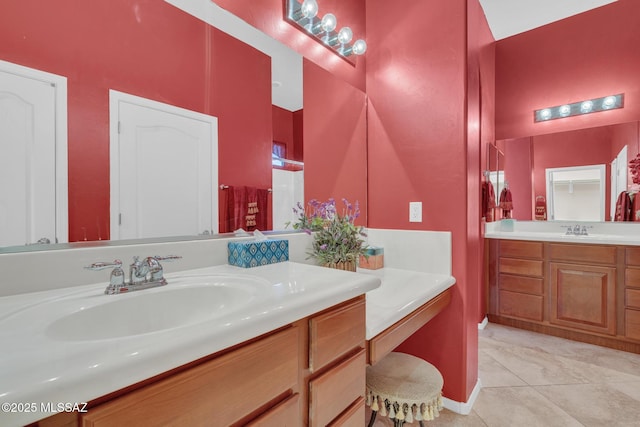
[{"x": 529, "y": 380}]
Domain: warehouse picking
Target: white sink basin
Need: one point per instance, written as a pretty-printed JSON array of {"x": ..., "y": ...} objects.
[{"x": 184, "y": 301}]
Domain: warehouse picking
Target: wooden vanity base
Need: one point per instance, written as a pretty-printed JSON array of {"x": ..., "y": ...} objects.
[{"x": 578, "y": 291}]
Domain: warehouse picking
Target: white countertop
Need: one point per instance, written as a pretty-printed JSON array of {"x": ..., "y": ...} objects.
[
  {"x": 631, "y": 239},
  {"x": 401, "y": 292},
  {"x": 37, "y": 368}
]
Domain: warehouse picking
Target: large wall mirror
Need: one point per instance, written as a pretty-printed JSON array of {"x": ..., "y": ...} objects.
[
  {"x": 194, "y": 55},
  {"x": 575, "y": 175}
]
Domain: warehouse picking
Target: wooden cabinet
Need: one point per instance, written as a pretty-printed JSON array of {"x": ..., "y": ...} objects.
[
  {"x": 586, "y": 292},
  {"x": 337, "y": 365},
  {"x": 583, "y": 297},
  {"x": 223, "y": 391},
  {"x": 520, "y": 280},
  {"x": 309, "y": 373},
  {"x": 632, "y": 294},
  {"x": 347, "y": 380}
]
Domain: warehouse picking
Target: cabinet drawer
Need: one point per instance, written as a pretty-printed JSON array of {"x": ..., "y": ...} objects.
[
  {"x": 336, "y": 333},
  {"x": 632, "y": 298},
  {"x": 352, "y": 417},
  {"x": 583, "y": 253},
  {"x": 223, "y": 390},
  {"x": 336, "y": 390},
  {"x": 524, "y": 306},
  {"x": 520, "y": 249},
  {"x": 633, "y": 256},
  {"x": 528, "y": 285},
  {"x": 632, "y": 324},
  {"x": 632, "y": 277},
  {"x": 525, "y": 267},
  {"x": 286, "y": 413}
]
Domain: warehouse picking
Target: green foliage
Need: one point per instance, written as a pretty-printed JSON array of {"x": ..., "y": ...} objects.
[{"x": 336, "y": 237}]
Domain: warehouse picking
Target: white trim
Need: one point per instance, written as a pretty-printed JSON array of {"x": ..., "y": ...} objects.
[
  {"x": 463, "y": 408},
  {"x": 115, "y": 98},
  {"x": 483, "y": 324},
  {"x": 62, "y": 191}
]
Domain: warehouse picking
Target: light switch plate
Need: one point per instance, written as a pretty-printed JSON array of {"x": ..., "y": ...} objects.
[{"x": 415, "y": 211}]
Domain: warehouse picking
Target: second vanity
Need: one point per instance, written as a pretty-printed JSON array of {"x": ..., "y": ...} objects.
[{"x": 581, "y": 287}]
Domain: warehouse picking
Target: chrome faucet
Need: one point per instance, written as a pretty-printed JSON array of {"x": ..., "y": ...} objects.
[
  {"x": 144, "y": 274},
  {"x": 577, "y": 230}
]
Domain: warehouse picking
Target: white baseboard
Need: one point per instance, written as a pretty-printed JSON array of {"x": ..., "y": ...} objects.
[
  {"x": 463, "y": 408},
  {"x": 483, "y": 324}
]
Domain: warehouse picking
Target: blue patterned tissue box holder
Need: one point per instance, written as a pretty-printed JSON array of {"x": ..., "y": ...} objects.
[{"x": 249, "y": 254}]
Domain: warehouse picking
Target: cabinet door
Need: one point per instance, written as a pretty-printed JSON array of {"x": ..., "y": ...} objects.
[
  {"x": 583, "y": 297},
  {"x": 219, "y": 392}
]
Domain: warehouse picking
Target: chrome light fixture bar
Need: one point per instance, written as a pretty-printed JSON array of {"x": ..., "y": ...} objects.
[
  {"x": 305, "y": 16},
  {"x": 610, "y": 102}
]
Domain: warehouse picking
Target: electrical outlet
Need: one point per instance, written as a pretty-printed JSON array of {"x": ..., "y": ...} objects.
[{"x": 415, "y": 211}]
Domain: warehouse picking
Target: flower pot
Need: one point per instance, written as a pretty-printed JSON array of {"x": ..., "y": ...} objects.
[{"x": 348, "y": 266}]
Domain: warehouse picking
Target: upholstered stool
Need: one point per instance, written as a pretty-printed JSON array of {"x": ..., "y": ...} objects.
[{"x": 404, "y": 388}]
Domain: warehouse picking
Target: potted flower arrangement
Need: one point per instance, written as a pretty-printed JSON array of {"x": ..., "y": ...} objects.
[{"x": 338, "y": 242}]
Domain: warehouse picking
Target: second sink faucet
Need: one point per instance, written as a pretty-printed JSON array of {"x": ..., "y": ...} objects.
[{"x": 577, "y": 230}]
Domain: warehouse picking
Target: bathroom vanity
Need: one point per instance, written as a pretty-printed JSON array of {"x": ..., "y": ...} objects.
[
  {"x": 287, "y": 342},
  {"x": 292, "y": 347},
  {"x": 585, "y": 288}
]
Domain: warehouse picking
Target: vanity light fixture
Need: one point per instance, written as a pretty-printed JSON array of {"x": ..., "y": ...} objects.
[
  {"x": 305, "y": 16},
  {"x": 610, "y": 102}
]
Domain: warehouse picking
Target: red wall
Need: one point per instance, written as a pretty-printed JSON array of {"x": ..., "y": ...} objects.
[
  {"x": 150, "y": 49},
  {"x": 592, "y": 54},
  {"x": 283, "y": 128},
  {"x": 335, "y": 156},
  {"x": 424, "y": 146}
]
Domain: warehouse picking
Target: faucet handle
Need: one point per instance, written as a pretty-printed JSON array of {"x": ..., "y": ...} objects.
[
  {"x": 116, "y": 280},
  {"x": 102, "y": 265},
  {"x": 167, "y": 257}
]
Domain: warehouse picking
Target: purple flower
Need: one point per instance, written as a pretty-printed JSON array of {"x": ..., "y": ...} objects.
[{"x": 323, "y": 247}]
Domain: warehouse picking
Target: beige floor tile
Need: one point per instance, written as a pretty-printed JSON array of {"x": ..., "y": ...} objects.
[
  {"x": 594, "y": 404},
  {"x": 631, "y": 389},
  {"x": 493, "y": 374},
  {"x": 519, "y": 406},
  {"x": 536, "y": 367}
]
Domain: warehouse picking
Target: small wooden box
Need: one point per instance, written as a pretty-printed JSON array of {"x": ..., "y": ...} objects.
[{"x": 375, "y": 258}]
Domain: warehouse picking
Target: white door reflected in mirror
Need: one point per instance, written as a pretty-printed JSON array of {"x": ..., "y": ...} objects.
[
  {"x": 164, "y": 169},
  {"x": 576, "y": 193},
  {"x": 33, "y": 156}
]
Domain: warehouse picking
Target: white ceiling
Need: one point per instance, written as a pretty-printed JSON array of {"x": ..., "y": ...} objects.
[
  {"x": 505, "y": 18},
  {"x": 509, "y": 17}
]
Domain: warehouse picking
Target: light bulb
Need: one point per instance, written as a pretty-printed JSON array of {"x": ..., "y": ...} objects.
[
  {"x": 609, "y": 102},
  {"x": 564, "y": 110},
  {"x": 586, "y": 106},
  {"x": 545, "y": 114},
  {"x": 329, "y": 22},
  {"x": 345, "y": 35},
  {"x": 359, "y": 47},
  {"x": 309, "y": 8}
]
